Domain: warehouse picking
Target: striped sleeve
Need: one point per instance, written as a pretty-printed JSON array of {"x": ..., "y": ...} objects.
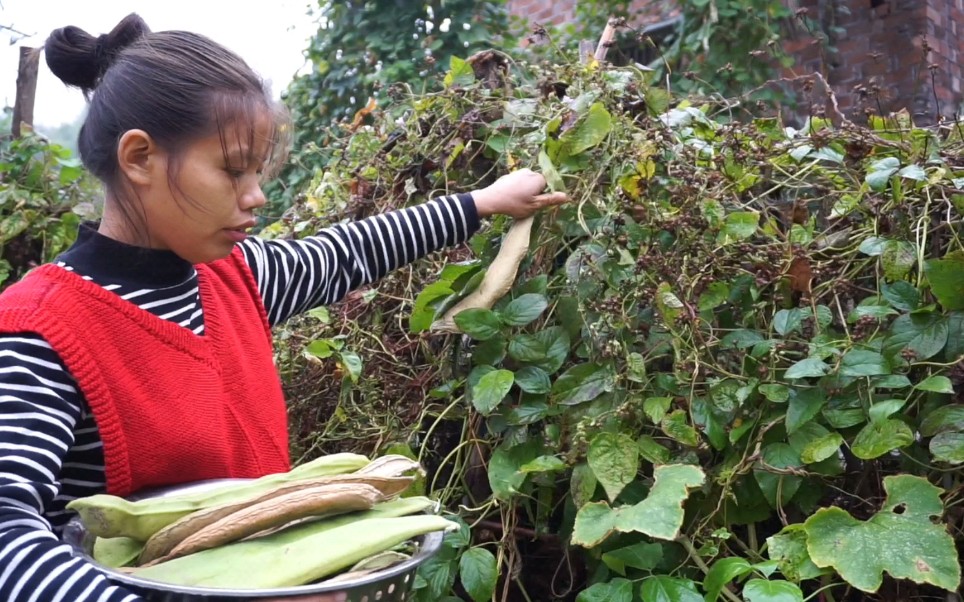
[
  {"x": 40, "y": 407},
  {"x": 296, "y": 275}
]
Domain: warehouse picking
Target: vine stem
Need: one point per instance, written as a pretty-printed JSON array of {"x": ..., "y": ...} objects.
[{"x": 695, "y": 557}]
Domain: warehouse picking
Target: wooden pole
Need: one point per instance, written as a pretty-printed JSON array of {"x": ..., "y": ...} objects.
[
  {"x": 26, "y": 89},
  {"x": 606, "y": 39}
]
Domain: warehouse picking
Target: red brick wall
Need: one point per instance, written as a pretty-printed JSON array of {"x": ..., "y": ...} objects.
[
  {"x": 543, "y": 12},
  {"x": 879, "y": 61},
  {"x": 945, "y": 34}
]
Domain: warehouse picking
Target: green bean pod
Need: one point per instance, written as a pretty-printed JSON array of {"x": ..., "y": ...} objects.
[
  {"x": 296, "y": 556},
  {"x": 108, "y": 516}
]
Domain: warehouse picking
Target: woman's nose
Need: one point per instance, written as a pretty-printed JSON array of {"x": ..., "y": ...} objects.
[{"x": 252, "y": 197}]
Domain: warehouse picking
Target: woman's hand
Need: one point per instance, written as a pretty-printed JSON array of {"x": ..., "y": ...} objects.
[{"x": 517, "y": 194}]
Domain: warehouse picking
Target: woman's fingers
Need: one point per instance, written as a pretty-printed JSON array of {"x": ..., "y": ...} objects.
[{"x": 551, "y": 199}]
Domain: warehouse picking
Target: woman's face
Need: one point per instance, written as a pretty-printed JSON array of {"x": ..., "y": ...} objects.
[{"x": 214, "y": 188}]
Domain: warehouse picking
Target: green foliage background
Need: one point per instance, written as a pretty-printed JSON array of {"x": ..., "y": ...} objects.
[{"x": 362, "y": 48}]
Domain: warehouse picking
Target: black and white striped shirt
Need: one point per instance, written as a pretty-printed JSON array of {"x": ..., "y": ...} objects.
[{"x": 50, "y": 448}]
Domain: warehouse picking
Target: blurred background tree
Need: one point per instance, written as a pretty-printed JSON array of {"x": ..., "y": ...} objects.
[{"x": 363, "y": 47}]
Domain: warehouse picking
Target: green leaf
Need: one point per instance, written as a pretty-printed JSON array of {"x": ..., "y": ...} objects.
[
  {"x": 505, "y": 478},
  {"x": 881, "y": 410},
  {"x": 741, "y": 339},
  {"x": 543, "y": 464},
  {"x": 880, "y": 312},
  {"x": 943, "y": 419},
  {"x": 804, "y": 405},
  {"x": 643, "y": 556},
  {"x": 946, "y": 278},
  {"x": 948, "y": 447},
  {"x": 489, "y": 352},
  {"x": 859, "y": 362},
  {"x": 821, "y": 448},
  {"x": 778, "y": 488},
  {"x": 582, "y": 383},
  {"x": 651, "y": 451},
  {"x": 635, "y": 367},
  {"x": 438, "y": 574},
  {"x": 774, "y": 392},
  {"x": 807, "y": 368},
  {"x": 351, "y": 363},
  {"x": 322, "y": 348},
  {"x": 533, "y": 380},
  {"x": 900, "y": 539},
  {"x": 760, "y": 590},
  {"x": 898, "y": 258},
  {"x": 901, "y": 295},
  {"x": 923, "y": 333},
  {"x": 546, "y": 349},
  {"x": 668, "y": 303},
  {"x": 660, "y": 515},
  {"x": 715, "y": 295},
  {"x": 739, "y": 225},
  {"x": 880, "y": 172},
  {"x": 890, "y": 381},
  {"x": 878, "y": 438},
  {"x": 661, "y": 588},
  {"x": 524, "y": 309},
  {"x": 615, "y": 590},
  {"x": 936, "y": 384},
  {"x": 721, "y": 573},
  {"x": 656, "y": 407},
  {"x": 788, "y": 320},
  {"x": 479, "y": 573},
  {"x": 528, "y": 412},
  {"x": 729, "y": 394},
  {"x": 423, "y": 313},
  {"x": 954, "y": 350},
  {"x": 913, "y": 172},
  {"x": 582, "y": 485},
  {"x": 589, "y": 131},
  {"x": 491, "y": 389},
  {"x": 460, "y": 73},
  {"x": 551, "y": 174},
  {"x": 789, "y": 549},
  {"x": 479, "y": 323},
  {"x": 676, "y": 426},
  {"x": 614, "y": 459},
  {"x": 873, "y": 246}
]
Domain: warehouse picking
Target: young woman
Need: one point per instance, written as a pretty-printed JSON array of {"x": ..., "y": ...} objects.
[{"x": 142, "y": 356}]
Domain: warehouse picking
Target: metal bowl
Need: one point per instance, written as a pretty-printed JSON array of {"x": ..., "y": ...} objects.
[{"x": 392, "y": 584}]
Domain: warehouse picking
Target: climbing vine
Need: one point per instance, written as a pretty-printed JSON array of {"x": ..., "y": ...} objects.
[{"x": 730, "y": 367}]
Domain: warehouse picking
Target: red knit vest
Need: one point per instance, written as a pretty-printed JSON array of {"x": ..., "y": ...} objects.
[{"x": 171, "y": 407}]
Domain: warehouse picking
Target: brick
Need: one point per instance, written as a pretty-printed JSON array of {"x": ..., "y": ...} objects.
[{"x": 892, "y": 30}]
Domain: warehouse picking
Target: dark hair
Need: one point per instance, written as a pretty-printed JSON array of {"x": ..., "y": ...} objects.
[{"x": 177, "y": 86}]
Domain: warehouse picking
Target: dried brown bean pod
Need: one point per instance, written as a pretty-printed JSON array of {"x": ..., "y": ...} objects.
[
  {"x": 323, "y": 500},
  {"x": 498, "y": 278},
  {"x": 164, "y": 541}
]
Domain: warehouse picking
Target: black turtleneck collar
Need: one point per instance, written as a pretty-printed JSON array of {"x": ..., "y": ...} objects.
[{"x": 108, "y": 261}]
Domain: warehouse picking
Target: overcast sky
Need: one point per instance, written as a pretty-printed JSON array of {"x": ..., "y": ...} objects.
[{"x": 270, "y": 35}]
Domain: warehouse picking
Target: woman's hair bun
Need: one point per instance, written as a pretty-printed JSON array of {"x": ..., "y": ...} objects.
[{"x": 80, "y": 59}]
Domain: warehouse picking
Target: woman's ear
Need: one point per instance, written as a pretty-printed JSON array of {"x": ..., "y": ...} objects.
[{"x": 139, "y": 158}]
